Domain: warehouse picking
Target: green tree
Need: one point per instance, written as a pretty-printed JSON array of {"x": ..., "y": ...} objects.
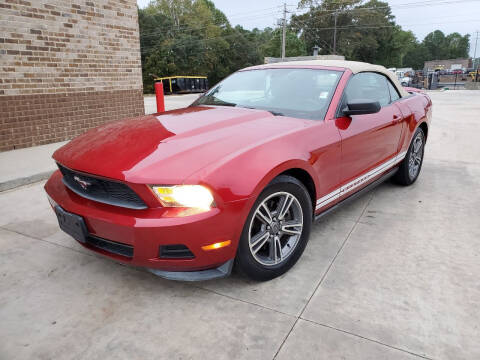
[
  {"x": 458, "y": 45},
  {"x": 400, "y": 44},
  {"x": 193, "y": 37},
  {"x": 416, "y": 57},
  {"x": 365, "y": 31},
  {"x": 436, "y": 45},
  {"x": 294, "y": 46}
]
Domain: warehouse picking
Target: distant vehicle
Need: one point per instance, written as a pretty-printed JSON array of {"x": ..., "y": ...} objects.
[
  {"x": 239, "y": 175},
  {"x": 406, "y": 80},
  {"x": 404, "y": 72},
  {"x": 457, "y": 71}
]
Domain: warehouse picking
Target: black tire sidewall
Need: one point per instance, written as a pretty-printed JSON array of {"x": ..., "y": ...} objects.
[{"x": 245, "y": 260}]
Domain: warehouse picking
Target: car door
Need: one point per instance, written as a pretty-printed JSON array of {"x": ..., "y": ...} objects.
[{"x": 369, "y": 142}]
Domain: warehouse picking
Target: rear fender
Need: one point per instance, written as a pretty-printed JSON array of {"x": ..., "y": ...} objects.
[{"x": 420, "y": 107}]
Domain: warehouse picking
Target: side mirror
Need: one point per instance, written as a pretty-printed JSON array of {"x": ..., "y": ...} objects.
[{"x": 361, "y": 107}]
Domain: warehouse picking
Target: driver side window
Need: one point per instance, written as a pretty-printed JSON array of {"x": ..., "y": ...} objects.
[{"x": 367, "y": 86}]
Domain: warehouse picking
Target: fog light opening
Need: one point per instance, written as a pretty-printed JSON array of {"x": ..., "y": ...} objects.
[{"x": 216, "y": 246}]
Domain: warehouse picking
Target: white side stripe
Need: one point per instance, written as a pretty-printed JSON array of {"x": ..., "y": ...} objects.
[{"x": 359, "y": 181}]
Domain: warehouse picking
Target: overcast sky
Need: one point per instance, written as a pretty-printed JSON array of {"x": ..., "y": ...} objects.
[{"x": 420, "y": 16}]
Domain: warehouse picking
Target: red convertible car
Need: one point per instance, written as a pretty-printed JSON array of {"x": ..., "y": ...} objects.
[{"x": 240, "y": 175}]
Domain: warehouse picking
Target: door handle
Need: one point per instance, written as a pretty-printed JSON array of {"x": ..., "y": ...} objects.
[{"x": 396, "y": 118}]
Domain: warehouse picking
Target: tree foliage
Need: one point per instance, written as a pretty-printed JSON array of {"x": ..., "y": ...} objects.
[
  {"x": 193, "y": 37},
  {"x": 366, "y": 31}
]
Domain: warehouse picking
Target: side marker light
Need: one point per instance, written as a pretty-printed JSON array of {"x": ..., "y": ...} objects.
[{"x": 216, "y": 246}]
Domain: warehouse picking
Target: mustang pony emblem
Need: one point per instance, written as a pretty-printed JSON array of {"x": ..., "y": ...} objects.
[{"x": 84, "y": 184}]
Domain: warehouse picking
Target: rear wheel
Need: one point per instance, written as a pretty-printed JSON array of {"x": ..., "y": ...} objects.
[
  {"x": 412, "y": 164},
  {"x": 276, "y": 231}
]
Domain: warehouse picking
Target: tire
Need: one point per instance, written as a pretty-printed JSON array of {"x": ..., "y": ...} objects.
[
  {"x": 258, "y": 256},
  {"x": 411, "y": 166}
]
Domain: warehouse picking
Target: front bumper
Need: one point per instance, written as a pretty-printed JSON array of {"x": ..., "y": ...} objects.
[
  {"x": 148, "y": 229},
  {"x": 200, "y": 275}
]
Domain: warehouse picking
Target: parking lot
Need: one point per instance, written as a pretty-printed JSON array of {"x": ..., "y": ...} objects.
[
  {"x": 171, "y": 102},
  {"x": 394, "y": 275}
]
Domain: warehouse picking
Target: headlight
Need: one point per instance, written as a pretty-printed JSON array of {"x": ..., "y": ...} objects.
[{"x": 191, "y": 196}]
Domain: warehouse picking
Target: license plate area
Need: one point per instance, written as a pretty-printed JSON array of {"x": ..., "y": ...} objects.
[{"x": 72, "y": 224}]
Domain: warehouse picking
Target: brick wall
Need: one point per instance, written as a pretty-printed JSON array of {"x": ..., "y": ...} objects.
[{"x": 66, "y": 66}]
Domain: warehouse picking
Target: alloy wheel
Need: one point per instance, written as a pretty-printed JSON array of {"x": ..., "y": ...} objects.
[
  {"x": 416, "y": 156},
  {"x": 275, "y": 228}
]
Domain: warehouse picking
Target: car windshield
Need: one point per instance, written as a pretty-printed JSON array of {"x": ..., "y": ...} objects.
[{"x": 300, "y": 93}]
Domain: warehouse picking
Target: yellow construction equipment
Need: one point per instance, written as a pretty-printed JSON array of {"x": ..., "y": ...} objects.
[{"x": 183, "y": 84}]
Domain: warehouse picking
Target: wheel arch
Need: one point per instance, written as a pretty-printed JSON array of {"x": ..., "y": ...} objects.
[
  {"x": 306, "y": 179},
  {"x": 299, "y": 169},
  {"x": 424, "y": 128}
]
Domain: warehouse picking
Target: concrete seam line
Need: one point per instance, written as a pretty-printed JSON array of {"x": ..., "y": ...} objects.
[
  {"x": 49, "y": 242},
  {"x": 368, "y": 339},
  {"x": 140, "y": 270},
  {"x": 12, "y": 184},
  {"x": 285, "y": 339},
  {"x": 245, "y": 301},
  {"x": 98, "y": 257},
  {"x": 91, "y": 254},
  {"x": 324, "y": 274}
]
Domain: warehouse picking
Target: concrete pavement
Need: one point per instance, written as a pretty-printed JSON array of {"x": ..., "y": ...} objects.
[
  {"x": 26, "y": 166},
  {"x": 171, "y": 102},
  {"x": 394, "y": 275}
]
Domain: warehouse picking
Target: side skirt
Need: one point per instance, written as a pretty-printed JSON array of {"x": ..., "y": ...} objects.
[{"x": 357, "y": 194}]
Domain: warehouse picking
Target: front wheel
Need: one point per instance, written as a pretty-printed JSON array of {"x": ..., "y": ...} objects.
[
  {"x": 276, "y": 231},
  {"x": 412, "y": 164}
]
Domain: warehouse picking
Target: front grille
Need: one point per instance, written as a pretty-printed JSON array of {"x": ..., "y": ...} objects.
[
  {"x": 101, "y": 190},
  {"x": 110, "y": 246},
  {"x": 177, "y": 251}
]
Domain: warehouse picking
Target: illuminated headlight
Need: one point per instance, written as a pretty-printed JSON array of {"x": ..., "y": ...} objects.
[{"x": 191, "y": 196}]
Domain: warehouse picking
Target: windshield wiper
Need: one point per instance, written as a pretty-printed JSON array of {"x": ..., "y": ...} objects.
[
  {"x": 276, "y": 113},
  {"x": 215, "y": 101}
]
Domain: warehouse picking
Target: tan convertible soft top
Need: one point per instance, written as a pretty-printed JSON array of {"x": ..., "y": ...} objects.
[{"x": 354, "y": 66}]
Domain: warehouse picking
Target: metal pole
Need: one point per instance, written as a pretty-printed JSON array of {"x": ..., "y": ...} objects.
[
  {"x": 475, "y": 52},
  {"x": 335, "y": 35},
  {"x": 284, "y": 29},
  {"x": 159, "y": 96}
]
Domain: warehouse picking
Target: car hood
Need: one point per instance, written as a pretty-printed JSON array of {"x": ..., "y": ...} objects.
[{"x": 167, "y": 148}]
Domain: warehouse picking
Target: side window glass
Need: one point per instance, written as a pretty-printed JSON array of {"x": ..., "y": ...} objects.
[
  {"x": 393, "y": 92},
  {"x": 368, "y": 86}
]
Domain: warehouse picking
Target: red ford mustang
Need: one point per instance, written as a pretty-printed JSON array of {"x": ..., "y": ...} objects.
[{"x": 239, "y": 175}]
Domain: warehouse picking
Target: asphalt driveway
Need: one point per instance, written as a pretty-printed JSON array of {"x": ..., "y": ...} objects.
[{"x": 394, "y": 275}]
